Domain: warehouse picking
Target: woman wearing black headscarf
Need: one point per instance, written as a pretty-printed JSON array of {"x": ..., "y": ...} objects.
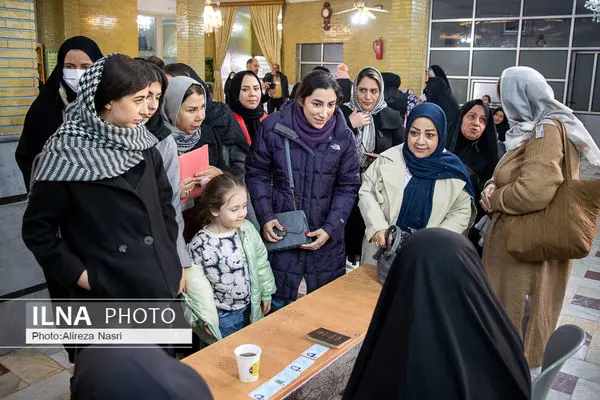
[
  {"x": 501, "y": 123},
  {"x": 244, "y": 100},
  {"x": 437, "y": 90},
  {"x": 228, "y": 84},
  {"x": 475, "y": 142},
  {"x": 46, "y": 113},
  {"x": 438, "y": 330}
]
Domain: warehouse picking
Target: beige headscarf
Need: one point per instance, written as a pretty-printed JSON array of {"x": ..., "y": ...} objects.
[{"x": 527, "y": 99}]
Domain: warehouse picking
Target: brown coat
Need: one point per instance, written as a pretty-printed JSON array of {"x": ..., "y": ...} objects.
[{"x": 526, "y": 180}]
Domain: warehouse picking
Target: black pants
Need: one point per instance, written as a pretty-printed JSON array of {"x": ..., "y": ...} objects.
[{"x": 274, "y": 105}]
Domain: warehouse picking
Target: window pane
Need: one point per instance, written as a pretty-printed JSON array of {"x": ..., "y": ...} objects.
[
  {"x": 496, "y": 34},
  {"x": 548, "y": 7},
  {"x": 495, "y": 8},
  {"x": 481, "y": 88},
  {"x": 582, "y": 76},
  {"x": 146, "y": 36},
  {"x": 551, "y": 64},
  {"x": 596, "y": 99},
  {"x": 445, "y": 9},
  {"x": 580, "y": 8},
  {"x": 492, "y": 62},
  {"x": 331, "y": 67},
  {"x": 451, "y": 34},
  {"x": 546, "y": 33},
  {"x": 558, "y": 88},
  {"x": 333, "y": 52},
  {"x": 459, "y": 89},
  {"x": 453, "y": 62},
  {"x": 586, "y": 33},
  {"x": 305, "y": 69},
  {"x": 169, "y": 41},
  {"x": 311, "y": 52}
]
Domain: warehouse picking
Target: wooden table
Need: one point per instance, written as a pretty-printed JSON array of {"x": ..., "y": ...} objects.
[{"x": 345, "y": 306}]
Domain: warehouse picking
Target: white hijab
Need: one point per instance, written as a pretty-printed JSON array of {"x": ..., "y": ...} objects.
[{"x": 527, "y": 99}]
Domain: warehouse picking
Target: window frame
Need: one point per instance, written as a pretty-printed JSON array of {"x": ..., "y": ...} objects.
[
  {"x": 474, "y": 20},
  {"x": 321, "y": 63}
]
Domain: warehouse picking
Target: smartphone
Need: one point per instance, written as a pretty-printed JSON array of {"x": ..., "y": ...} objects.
[{"x": 272, "y": 86}]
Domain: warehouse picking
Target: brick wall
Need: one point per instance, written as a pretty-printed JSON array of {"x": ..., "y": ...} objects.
[
  {"x": 190, "y": 34},
  {"x": 50, "y": 23},
  {"x": 18, "y": 63},
  {"x": 404, "y": 31},
  {"x": 408, "y": 34},
  {"x": 302, "y": 23},
  {"x": 111, "y": 23}
]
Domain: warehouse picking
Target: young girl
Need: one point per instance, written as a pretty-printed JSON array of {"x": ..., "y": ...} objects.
[{"x": 230, "y": 279}]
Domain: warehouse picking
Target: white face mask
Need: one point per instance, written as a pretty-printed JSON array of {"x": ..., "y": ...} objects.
[{"x": 71, "y": 77}]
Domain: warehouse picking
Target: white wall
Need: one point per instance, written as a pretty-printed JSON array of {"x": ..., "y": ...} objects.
[{"x": 162, "y": 7}]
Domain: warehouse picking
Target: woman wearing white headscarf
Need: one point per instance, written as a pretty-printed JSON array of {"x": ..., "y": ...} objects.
[
  {"x": 526, "y": 180},
  {"x": 377, "y": 128}
]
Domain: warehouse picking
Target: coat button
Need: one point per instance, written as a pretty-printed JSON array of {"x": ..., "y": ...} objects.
[
  {"x": 380, "y": 134},
  {"x": 148, "y": 240},
  {"x": 123, "y": 248}
]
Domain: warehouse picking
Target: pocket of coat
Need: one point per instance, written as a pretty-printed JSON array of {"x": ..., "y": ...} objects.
[
  {"x": 92, "y": 279},
  {"x": 379, "y": 189}
]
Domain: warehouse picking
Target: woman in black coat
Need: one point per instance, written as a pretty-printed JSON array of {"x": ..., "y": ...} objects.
[
  {"x": 184, "y": 109},
  {"x": 220, "y": 119},
  {"x": 46, "y": 113},
  {"x": 376, "y": 127},
  {"x": 101, "y": 183},
  {"x": 474, "y": 141},
  {"x": 438, "y": 91}
]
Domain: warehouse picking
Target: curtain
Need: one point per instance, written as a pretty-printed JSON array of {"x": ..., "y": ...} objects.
[
  {"x": 264, "y": 23},
  {"x": 222, "y": 36}
]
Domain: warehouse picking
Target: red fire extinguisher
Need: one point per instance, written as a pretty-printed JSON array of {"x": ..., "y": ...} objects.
[{"x": 378, "y": 48}]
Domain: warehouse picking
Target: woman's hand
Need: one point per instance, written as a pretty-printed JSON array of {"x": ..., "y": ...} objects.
[
  {"x": 209, "y": 173},
  {"x": 266, "y": 306},
  {"x": 359, "y": 119},
  {"x": 268, "y": 233},
  {"x": 486, "y": 196},
  {"x": 83, "y": 281},
  {"x": 182, "y": 282},
  {"x": 379, "y": 239},
  {"x": 207, "y": 330},
  {"x": 186, "y": 185},
  {"x": 322, "y": 238}
]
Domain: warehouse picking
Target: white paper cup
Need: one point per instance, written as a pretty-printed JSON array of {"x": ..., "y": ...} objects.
[{"x": 248, "y": 361}]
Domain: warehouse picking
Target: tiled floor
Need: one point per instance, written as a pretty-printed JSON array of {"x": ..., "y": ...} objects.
[{"x": 29, "y": 374}]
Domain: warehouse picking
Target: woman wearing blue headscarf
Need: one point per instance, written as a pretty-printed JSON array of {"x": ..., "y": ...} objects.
[{"x": 417, "y": 184}]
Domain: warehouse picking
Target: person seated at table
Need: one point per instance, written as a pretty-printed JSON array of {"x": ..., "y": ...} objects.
[
  {"x": 230, "y": 277},
  {"x": 134, "y": 373},
  {"x": 438, "y": 330},
  {"x": 416, "y": 184}
]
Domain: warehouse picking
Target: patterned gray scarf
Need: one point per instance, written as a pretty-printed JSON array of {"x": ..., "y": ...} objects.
[
  {"x": 365, "y": 140},
  {"x": 86, "y": 148}
]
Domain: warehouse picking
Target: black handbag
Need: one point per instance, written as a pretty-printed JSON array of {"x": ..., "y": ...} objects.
[
  {"x": 294, "y": 222},
  {"x": 394, "y": 237}
]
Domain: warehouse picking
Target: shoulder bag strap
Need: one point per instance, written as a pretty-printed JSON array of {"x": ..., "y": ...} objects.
[
  {"x": 567, "y": 157},
  {"x": 288, "y": 159}
]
